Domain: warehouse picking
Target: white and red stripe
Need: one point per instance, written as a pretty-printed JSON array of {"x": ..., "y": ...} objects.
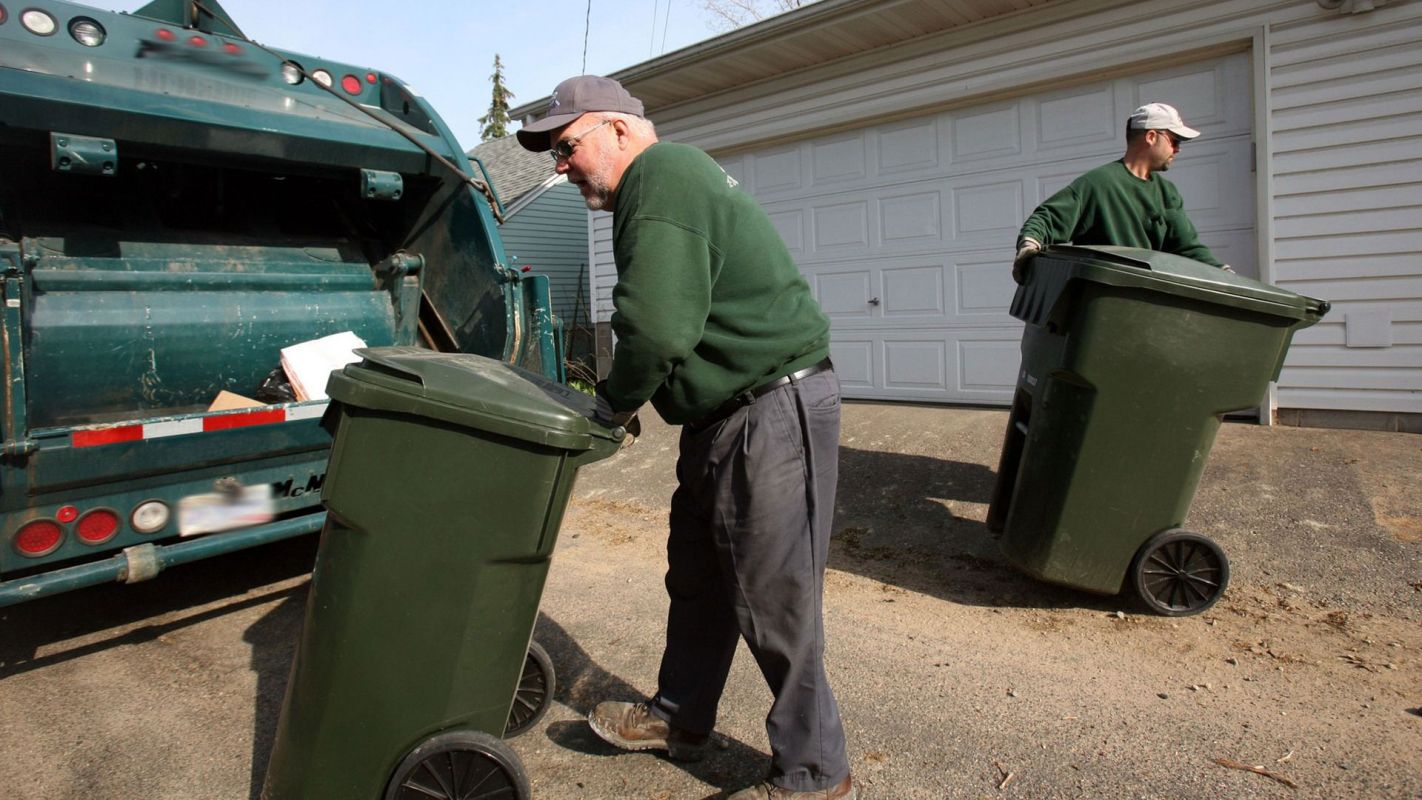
[{"x": 113, "y": 434}]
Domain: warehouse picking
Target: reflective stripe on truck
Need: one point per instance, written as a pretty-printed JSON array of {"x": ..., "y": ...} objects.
[{"x": 113, "y": 434}]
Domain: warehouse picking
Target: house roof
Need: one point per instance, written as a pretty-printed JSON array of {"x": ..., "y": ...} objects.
[
  {"x": 517, "y": 173},
  {"x": 815, "y": 34}
]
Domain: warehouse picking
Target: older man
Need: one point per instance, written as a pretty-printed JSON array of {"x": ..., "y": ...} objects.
[
  {"x": 718, "y": 329},
  {"x": 1125, "y": 202}
]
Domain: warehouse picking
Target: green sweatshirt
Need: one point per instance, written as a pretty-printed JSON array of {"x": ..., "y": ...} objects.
[
  {"x": 1109, "y": 205},
  {"x": 708, "y": 301}
]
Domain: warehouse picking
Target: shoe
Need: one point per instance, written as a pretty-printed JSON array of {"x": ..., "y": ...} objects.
[
  {"x": 633, "y": 726},
  {"x": 845, "y": 790}
]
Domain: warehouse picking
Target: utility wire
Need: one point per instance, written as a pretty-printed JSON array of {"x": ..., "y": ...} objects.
[
  {"x": 666, "y": 19},
  {"x": 587, "y": 24}
]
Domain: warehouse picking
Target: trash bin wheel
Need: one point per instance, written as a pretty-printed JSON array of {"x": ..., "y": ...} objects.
[
  {"x": 1178, "y": 572},
  {"x": 460, "y": 765},
  {"x": 534, "y": 693}
]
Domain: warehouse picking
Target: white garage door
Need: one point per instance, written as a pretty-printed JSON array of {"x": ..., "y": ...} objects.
[{"x": 905, "y": 230}]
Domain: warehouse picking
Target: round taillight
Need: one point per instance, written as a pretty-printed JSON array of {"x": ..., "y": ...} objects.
[
  {"x": 231, "y": 49},
  {"x": 165, "y": 34},
  {"x": 322, "y": 77},
  {"x": 3, "y": 15},
  {"x": 291, "y": 72},
  {"x": 370, "y": 78},
  {"x": 351, "y": 84},
  {"x": 87, "y": 32},
  {"x": 39, "y": 538},
  {"x": 97, "y": 526},
  {"x": 40, "y": 23},
  {"x": 150, "y": 516},
  {"x": 197, "y": 41},
  {"x": 66, "y": 514}
]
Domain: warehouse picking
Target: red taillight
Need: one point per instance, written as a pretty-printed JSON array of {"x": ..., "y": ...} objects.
[
  {"x": 197, "y": 41},
  {"x": 165, "y": 34},
  {"x": 66, "y": 514},
  {"x": 231, "y": 49},
  {"x": 370, "y": 78},
  {"x": 351, "y": 84},
  {"x": 39, "y": 538},
  {"x": 96, "y": 527}
]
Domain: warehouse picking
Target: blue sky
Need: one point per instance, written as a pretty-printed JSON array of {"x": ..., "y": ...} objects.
[{"x": 445, "y": 48}]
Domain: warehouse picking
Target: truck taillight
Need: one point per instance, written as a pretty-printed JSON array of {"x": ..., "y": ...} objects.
[
  {"x": 97, "y": 526},
  {"x": 351, "y": 84},
  {"x": 150, "y": 516},
  {"x": 87, "y": 32},
  {"x": 40, "y": 23},
  {"x": 39, "y": 538}
]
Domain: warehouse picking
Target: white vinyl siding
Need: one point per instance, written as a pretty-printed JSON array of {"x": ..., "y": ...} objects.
[{"x": 1347, "y": 142}]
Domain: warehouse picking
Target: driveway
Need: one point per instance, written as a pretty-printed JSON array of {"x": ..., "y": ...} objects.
[{"x": 958, "y": 676}]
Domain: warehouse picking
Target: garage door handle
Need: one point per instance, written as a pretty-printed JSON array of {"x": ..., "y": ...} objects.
[{"x": 873, "y": 301}]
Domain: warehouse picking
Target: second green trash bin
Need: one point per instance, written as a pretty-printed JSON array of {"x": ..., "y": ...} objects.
[
  {"x": 1130, "y": 360},
  {"x": 448, "y": 479}
]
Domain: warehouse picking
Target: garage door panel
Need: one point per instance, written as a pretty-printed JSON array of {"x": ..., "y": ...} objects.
[
  {"x": 910, "y": 219},
  {"x": 988, "y": 211},
  {"x": 1235, "y": 248},
  {"x": 854, "y": 364},
  {"x": 1203, "y": 95},
  {"x": 908, "y": 147},
  {"x": 790, "y": 224},
  {"x": 776, "y": 171},
  {"x": 1205, "y": 173},
  {"x": 915, "y": 365},
  {"x": 989, "y": 132},
  {"x": 843, "y": 294},
  {"x": 1086, "y": 116},
  {"x": 838, "y": 160},
  {"x": 915, "y": 291},
  {"x": 840, "y": 226},
  {"x": 987, "y": 367},
  {"x": 983, "y": 286}
]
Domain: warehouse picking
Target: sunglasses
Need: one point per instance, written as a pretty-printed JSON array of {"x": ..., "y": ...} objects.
[
  {"x": 1175, "y": 141},
  {"x": 562, "y": 150}
]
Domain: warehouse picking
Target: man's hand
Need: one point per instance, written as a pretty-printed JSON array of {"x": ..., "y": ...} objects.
[
  {"x": 1025, "y": 250},
  {"x": 603, "y": 412}
]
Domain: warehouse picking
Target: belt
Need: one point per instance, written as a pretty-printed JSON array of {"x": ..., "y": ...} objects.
[{"x": 749, "y": 396}]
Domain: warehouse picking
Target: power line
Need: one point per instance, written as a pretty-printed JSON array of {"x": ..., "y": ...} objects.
[
  {"x": 587, "y": 24},
  {"x": 666, "y": 18}
]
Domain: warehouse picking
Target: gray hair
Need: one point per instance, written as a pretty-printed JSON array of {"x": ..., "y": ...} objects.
[{"x": 641, "y": 127}]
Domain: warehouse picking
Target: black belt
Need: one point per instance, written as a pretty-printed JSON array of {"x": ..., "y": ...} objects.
[{"x": 749, "y": 396}]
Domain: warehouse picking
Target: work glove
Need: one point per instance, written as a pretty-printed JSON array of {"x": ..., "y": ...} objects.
[
  {"x": 1227, "y": 268},
  {"x": 1027, "y": 248},
  {"x": 602, "y": 412}
]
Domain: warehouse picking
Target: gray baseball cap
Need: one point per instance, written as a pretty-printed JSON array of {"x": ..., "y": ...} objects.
[{"x": 572, "y": 99}]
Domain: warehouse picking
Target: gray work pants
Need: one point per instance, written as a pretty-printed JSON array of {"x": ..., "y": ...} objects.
[{"x": 750, "y": 525}]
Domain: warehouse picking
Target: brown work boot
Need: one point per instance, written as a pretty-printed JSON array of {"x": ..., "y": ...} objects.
[
  {"x": 845, "y": 790},
  {"x": 633, "y": 726}
]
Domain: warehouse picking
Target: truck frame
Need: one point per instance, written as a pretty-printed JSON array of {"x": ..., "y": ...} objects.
[{"x": 178, "y": 204}]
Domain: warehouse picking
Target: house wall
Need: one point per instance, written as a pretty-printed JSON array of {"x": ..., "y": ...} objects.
[{"x": 1338, "y": 166}]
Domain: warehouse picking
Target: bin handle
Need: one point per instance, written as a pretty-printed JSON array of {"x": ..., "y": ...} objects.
[{"x": 378, "y": 360}]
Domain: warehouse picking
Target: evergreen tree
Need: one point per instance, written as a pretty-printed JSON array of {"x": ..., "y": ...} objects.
[{"x": 496, "y": 122}]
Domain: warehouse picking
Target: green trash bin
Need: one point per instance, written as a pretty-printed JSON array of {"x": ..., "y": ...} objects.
[
  {"x": 448, "y": 479},
  {"x": 1130, "y": 359}
]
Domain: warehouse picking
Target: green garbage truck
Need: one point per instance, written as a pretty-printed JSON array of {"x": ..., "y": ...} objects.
[{"x": 178, "y": 205}]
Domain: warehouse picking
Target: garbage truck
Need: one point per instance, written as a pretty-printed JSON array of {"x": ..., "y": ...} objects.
[{"x": 178, "y": 205}]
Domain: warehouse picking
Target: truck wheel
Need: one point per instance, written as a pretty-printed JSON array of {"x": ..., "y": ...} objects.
[
  {"x": 460, "y": 765},
  {"x": 1177, "y": 573},
  {"x": 534, "y": 693}
]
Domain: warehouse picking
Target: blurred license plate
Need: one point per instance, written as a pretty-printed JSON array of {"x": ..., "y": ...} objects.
[{"x": 224, "y": 511}]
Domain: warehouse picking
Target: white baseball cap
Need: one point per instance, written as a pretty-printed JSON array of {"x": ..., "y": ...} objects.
[{"x": 1161, "y": 117}]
